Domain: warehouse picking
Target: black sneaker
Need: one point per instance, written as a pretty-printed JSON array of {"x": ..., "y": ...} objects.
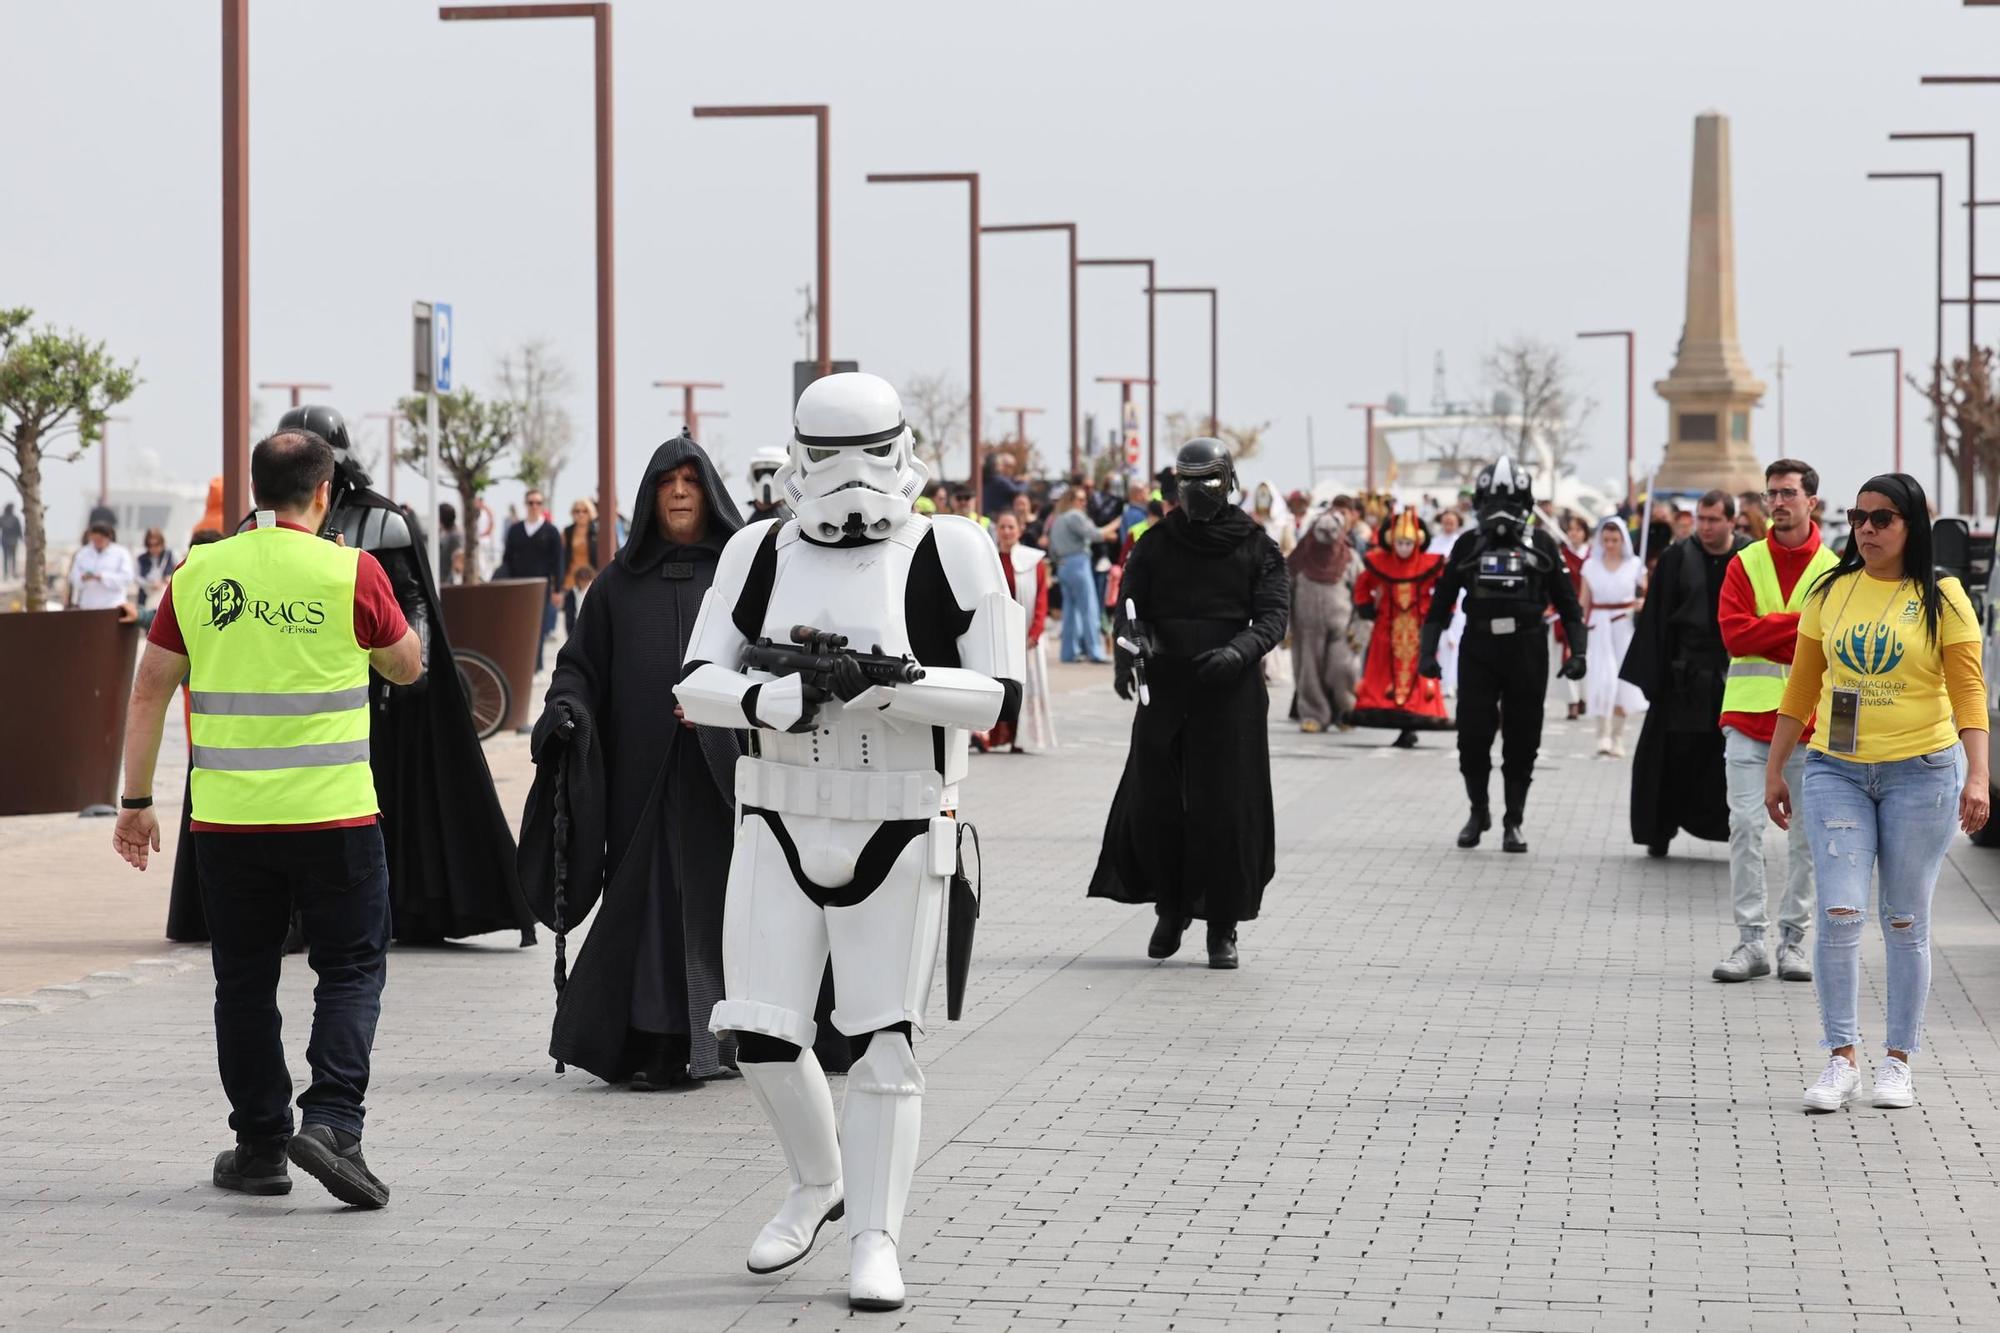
[
  {"x": 253, "y": 1167},
  {"x": 333, "y": 1158}
]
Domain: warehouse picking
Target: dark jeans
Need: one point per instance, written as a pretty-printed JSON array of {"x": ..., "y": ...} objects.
[{"x": 338, "y": 880}]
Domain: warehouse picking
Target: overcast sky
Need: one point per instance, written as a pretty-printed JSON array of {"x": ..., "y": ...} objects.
[{"x": 1369, "y": 184}]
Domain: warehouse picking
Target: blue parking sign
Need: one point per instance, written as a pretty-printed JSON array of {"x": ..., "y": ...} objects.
[{"x": 441, "y": 333}]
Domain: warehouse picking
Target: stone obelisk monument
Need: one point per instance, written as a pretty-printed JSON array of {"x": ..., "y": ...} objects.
[{"x": 1710, "y": 391}]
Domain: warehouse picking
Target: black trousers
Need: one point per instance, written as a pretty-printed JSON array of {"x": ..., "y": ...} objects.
[
  {"x": 338, "y": 880},
  {"x": 1503, "y": 680}
]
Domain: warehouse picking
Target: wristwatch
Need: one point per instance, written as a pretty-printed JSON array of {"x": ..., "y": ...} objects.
[{"x": 135, "y": 802}]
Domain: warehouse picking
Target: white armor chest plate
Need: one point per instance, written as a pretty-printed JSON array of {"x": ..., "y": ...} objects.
[{"x": 859, "y": 592}]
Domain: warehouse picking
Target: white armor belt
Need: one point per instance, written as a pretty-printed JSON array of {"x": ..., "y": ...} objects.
[{"x": 838, "y": 793}]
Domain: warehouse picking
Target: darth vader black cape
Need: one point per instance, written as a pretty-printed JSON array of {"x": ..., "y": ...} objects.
[
  {"x": 1191, "y": 828},
  {"x": 1677, "y": 660},
  {"x": 450, "y": 853}
]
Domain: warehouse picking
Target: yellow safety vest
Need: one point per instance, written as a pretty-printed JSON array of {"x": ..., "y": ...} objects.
[
  {"x": 1757, "y": 684},
  {"x": 277, "y": 682}
]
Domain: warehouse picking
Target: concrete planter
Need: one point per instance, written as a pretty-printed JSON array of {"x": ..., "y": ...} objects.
[
  {"x": 502, "y": 619},
  {"x": 65, "y": 677}
]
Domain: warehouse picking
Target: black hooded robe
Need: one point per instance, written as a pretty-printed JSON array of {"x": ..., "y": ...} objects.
[
  {"x": 1191, "y": 828},
  {"x": 449, "y": 850},
  {"x": 651, "y": 803},
  {"x": 1677, "y": 660}
]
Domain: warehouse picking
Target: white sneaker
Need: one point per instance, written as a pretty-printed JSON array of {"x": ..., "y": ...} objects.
[
  {"x": 1838, "y": 1082},
  {"x": 1893, "y": 1088}
]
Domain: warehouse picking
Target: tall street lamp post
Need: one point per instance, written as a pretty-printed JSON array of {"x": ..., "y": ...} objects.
[
  {"x": 1966, "y": 480},
  {"x": 1896, "y": 400},
  {"x": 1021, "y": 415},
  {"x": 235, "y": 257},
  {"x": 688, "y": 413},
  {"x": 1214, "y": 421},
  {"x": 1937, "y": 353},
  {"x": 971, "y": 180},
  {"x": 607, "y": 352},
  {"x": 1631, "y": 437},
  {"x": 1368, "y": 426},
  {"x": 1152, "y": 368},
  {"x": 820, "y": 114},
  {"x": 1075, "y": 409}
]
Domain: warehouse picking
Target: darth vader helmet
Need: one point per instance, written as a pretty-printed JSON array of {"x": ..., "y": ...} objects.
[
  {"x": 1205, "y": 477},
  {"x": 853, "y": 474},
  {"x": 329, "y": 425}
]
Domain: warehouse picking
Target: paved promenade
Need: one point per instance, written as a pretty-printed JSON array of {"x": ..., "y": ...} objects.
[{"x": 1447, "y": 1090}]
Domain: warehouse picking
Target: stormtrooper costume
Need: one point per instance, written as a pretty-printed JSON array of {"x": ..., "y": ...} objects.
[
  {"x": 846, "y": 833},
  {"x": 765, "y": 501}
]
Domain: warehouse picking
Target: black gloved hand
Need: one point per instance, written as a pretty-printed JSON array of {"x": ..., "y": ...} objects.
[
  {"x": 553, "y": 730},
  {"x": 1366, "y": 610},
  {"x": 1430, "y": 667},
  {"x": 811, "y": 696},
  {"x": 1122, "y": 681},
  {"x": 1218, "y": 665},
  {"x": 847, "y": 679},
  {"x": 1574, "y": 669}
]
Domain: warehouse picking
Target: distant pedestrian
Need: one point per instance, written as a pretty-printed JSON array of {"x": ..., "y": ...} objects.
[
  {"x": 1614, "y": 584},
  {"x": 275, "y": 631},
  {"x": 451, "y": 543},
  {"x": 1888, "y": 657},
  {"x": 534, "y": 550},
  {"x": 156, "y": 561},
  {"x": 103, "y": 576},
  {"x": 1323, "y": 571},
  {"x": 1027, "y": 573},
  {"x": 1070, "y": 535},
  {"x": 10, "y": 542},
  {"x": 579, "y": 559}
]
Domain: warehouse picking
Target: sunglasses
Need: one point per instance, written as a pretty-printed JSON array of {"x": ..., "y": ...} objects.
[
  {"x": 1780, "y": 496},
  {"x": 1879, "y": 518}
]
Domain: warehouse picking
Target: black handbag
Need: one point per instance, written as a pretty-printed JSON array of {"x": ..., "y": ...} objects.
[{"x": 963, "y": 916}]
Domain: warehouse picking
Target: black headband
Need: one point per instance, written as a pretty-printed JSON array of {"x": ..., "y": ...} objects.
[{"x": 843, "y": 441}]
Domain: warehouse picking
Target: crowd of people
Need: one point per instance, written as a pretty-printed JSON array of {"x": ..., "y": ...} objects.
[{"x": 772, "y": 858}]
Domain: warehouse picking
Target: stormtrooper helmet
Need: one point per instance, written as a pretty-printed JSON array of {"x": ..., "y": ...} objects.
[
  {"x": 764, "y": 467},
  {"x": 852, "y": 474}
]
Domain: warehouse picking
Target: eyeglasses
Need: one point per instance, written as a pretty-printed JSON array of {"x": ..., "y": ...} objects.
[
  {"x": 1879, "y": 518},
  {"x": 534, "y": 499},
  {"x": 1788, "y": 493}
]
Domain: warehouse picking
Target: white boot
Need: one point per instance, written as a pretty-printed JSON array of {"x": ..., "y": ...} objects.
[
  {"x": 885, "y": 1092},
  {"x": 1617, "y": 735},
  {"x": 800, "y": 1106},
  {"x": 1604, "y": 735}
]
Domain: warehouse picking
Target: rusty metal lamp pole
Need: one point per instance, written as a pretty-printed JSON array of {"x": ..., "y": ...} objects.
[
  {"x": 391, "y": 419},
  {"x": 607, "y": 352},
  {"x": 1897, "y": 397},
  {"x": 1966, "y": 481},
  {"x": 820, "y": 113},
  {"x": 970, "y": 179},
  {"x": 1075, "y": 406},
  {"x": 1631, "y": 437},
  {"x": 1152, "y": 367},
  {"x": 1368, "y": 425},
  {"x": 1214, "y": 420},
  {"x": 1021, "y": 415},
  {"x": 236, "y": 257},
  {"x": 1937, "y": 353},
  {"x": 688, "y": 413}
]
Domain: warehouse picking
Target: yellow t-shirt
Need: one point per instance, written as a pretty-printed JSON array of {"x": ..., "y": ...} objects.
[{"x": 1872, "y": 633}]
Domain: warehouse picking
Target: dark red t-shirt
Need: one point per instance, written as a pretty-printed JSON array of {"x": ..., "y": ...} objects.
[{"x": 378, "y": 623}]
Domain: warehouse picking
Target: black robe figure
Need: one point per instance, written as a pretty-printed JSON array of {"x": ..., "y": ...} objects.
[
  {"x": 450, "y": 852},
  {"x": 1678, "y": 661},
  {"x": 650, "y": 804},
  {"x": 1191, "y": 828}
]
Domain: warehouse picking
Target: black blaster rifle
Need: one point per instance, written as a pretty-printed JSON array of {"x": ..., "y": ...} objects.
[{"x": 813, "y": 652}]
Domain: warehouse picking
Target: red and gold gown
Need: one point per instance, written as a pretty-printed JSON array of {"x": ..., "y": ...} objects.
[{"x": 1393, "y": 694}]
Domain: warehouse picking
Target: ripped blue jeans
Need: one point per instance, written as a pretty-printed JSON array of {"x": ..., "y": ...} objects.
[{"x": 1896, "y": 820}]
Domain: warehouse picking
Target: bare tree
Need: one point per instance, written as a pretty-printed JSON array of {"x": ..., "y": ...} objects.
[
  {"x": 1187, "y": 424},
  {"x": 475, "y": 437},
  {"x": 1971, "y": 416},
  {"x": 1537, "y": 378},
  {"x": 936, "y": 408},
  {"x": 533, "y": 381}
]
